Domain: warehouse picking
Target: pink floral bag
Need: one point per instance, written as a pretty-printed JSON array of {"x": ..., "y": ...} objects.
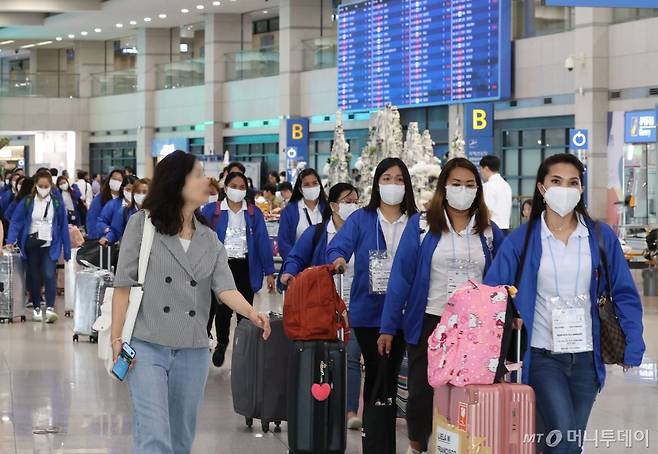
[{"x": 464, "y": 349}]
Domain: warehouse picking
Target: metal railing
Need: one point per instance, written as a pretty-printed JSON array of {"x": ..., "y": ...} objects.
[
  {"x": 320, "y": 53},
  {"x": 114, "y": 83},
  {"x": 42, "y": 84},
  {"x": 251, "y": 64},
  {"x": 179, "y": 74}
]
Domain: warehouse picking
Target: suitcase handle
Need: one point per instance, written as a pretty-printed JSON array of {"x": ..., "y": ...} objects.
[{"x": 518, "y": 366}]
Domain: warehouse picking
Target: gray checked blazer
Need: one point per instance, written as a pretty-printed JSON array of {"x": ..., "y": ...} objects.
[{"x": 176, "y": 303}]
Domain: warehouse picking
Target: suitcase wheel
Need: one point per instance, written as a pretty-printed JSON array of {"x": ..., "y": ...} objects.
[
  {"x": 93, "y": 339},
  {"x": 249, "y": 422},
  {"x": 67, "y": 313},
  {"x": 2, "y": 321},
  {"x": 265, "y": 426},
  {"x": 277, "y": 427},
  {"x": 75, "y": 338},
  {"x": 23, "y": 318}
]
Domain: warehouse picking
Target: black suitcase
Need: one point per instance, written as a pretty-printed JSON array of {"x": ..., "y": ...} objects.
[
  {"x": 314, "y": 426},
  {"x": 259, "y": 373}
]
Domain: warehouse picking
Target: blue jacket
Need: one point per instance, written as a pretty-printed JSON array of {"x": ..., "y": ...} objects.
[
  {"x": 104, "y": 222},
  {"x": 409, "y": 285},
  {"x": 626, "y": 299},
  {"x": 6, "y": 199},
  {"x": 19, "y": 229},
  {"x": 118, "y": 225},
  {"x": 288, "y": 228},
  {"x": 260, "y": 257},
  {"x": 303, "y": 254},
  {"x": 93, "y": 232},
  {"x": 357, "y": 237},
  {"x": 9, "y": 212},
  {"x": 75, "y": 198}
]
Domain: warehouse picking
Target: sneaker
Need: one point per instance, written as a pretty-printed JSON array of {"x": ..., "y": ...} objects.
[
  {"x": 411, "y": 450},
  {"x": 354, "y": 422},
  {"x": 51, "y": 315},
  {"x": 36, "y": 315},
  {"x": 219, "y": 356}
]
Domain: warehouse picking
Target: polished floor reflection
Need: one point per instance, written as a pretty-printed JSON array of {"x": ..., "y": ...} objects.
[{"x": 59, "y": 389}]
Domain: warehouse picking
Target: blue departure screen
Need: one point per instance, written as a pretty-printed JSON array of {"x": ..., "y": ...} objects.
[{"x": 420, "y": 52}]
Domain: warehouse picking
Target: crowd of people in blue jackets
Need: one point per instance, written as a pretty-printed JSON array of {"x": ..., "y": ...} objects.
[{"x": 402, "y": 268}]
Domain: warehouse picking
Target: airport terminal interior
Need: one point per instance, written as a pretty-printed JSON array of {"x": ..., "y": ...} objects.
[{"x": 99, "y": 96}]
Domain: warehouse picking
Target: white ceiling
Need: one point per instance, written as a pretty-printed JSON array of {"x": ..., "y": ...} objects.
[{"x": 44, "y": 20}]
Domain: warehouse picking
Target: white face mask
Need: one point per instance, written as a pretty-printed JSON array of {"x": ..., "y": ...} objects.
[
  {"x": 562, "y": 200},
  {"x": 235, "y": 195},
  {"x": 311, "y": 194},
  {"x": 346, "y": 209},
  {"x": 460, "y": 197},
  {"x": 392, "y": 194},
  {"x": 64, "y": 187},
  {"x": 127, "y": 195},
  {"x": 18, "y": 188},
  {"x": 139, "y": 199},
  {"x": 213, "y": 198},
  {"x": 115, "y": 185},
  {"x": 43, "y": 192}
]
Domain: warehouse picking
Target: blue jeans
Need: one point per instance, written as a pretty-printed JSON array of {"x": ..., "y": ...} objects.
[
  {"x": 166, "y": 389},
  {"x": 41, "y": 269},
  {"x": 353, "y": 352},
  {"x": 565, "y": 386}
]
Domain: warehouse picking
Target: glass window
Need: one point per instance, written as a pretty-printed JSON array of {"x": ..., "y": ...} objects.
[
  {"x": 531, "y": 159},
  {"x": 511, "y": 159},
  {"x": 532, "y": 138},
  {"x": 631, "y": 14},
  {"x": 533, "y": 18},
  {"x": 510, "y": 138},
  {"x": 556, "y": 137}
]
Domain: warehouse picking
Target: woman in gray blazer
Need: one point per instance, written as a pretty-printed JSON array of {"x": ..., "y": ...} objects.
[{"x": 187, "y": 260}]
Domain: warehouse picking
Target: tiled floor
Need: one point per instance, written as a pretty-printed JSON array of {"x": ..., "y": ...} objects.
[{"x": 46, "y": 380}]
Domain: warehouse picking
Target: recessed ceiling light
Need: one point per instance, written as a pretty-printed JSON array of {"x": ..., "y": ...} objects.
[
  {"x": 84, "y": 33},
  {"x": 133, "y": 22},
  {"x": 216, "y": 3},
  {"x": 27, "y": 46},
  {"x": 119, "y": 25},
  {"x": 71, "y": 36},
  {"x": 7, "y": 42},
  {"x": 147, "y": 19},
  {"x": 265, "y": 12},
  {"x": 98, "y": 30},
  {"x": 200, "y": 7},
  {"x": 185, "y": 11},
  {"x": 162, "y": 16},
  {"x": 43, "y": 43},
  {"x": 59, "y": 38}
]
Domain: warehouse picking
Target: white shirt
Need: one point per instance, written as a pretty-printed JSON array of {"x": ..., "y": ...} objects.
[
  {"x": 498, "y": 197},
  {"x": 348, "y": 277},
  {"x": 68, "y": 200},
  {"x": 86, "y": 193},
  {"x": 185, "y": 244},
  {"x": 38, "y": 213},
  {"x": 464, "y": 241},
  {"x": 573, "y": 279},
  {"x": 315, "y": 215},
  {"x": 392, "y": 231},
  {"x": 236, "y": 232}
]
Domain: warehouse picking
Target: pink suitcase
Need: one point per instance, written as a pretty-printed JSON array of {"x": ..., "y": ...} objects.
[{"x": 503, "y": 414}]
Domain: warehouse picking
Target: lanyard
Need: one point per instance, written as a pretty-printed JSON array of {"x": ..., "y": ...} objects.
[
  {"x": 580, "y": 248},
  {"x": 45, "y": 213},
  {"x": 308, "y": 217}
]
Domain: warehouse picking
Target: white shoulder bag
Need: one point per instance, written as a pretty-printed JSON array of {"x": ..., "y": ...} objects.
[{"x": 104, "y": 323}]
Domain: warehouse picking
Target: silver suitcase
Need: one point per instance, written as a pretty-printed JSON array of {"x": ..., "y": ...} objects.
[
  {"x": 12, "y": 287},
  {"x": 71, "y": 269},
  {"x": 90, "y": 285}
]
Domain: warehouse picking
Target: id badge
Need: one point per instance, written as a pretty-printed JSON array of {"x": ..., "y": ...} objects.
[
  {"x": 347, "y": 287},
  {"x": 235, "y": 244},
  {"x": 459, "y": 271},
  {"x": 45, "y": 231},
  {"x": 380, "y": 271},
  {"x": 570, "y": 325}
]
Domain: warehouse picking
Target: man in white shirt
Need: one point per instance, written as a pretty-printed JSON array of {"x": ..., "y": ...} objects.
[
  {"x": 497, "y": 192},
  {"x": 86, "y": 193}
]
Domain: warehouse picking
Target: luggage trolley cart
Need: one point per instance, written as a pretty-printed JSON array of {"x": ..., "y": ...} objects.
[{"x": 12, "y": 287}]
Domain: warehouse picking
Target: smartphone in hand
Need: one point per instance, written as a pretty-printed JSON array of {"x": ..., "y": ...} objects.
[{"x": 122, "y": 364}]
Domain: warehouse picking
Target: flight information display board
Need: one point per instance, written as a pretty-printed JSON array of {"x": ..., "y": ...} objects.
[{"x": 423, "y": 52}]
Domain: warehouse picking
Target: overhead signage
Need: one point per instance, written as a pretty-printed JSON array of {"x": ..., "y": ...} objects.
[
  {"x": 605, "y": 3},
  {"x": 479, "y": 120},
  {"x": 640, "y": 127},
  {"x": 161, "y": 147},
  {"x": 297, "y": 146},
  {"x": 578, "y": 139}
]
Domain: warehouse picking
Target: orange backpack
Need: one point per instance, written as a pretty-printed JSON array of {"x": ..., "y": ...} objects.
[{"x": 312, "y": 309}]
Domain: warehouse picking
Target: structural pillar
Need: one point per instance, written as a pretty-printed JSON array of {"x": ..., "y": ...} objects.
[
  {"x": 153, "y": 46},
  {"x": 299, "y": 20},
  {"x": 222, "y": 35},
  {"x": 591, "y": 98}
]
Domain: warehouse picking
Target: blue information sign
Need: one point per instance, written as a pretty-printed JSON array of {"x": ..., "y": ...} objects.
[
  {"x": 479, "y": 120},
  {"x": 423, "y": 52},
  {"x": 477, "y": 148},
  {"x": 578, "y": 139},
  {"x": 297, "y": 146},
  {"x": 640, "y": 127}
]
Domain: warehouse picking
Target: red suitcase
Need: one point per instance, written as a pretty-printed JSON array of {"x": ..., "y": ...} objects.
[{"x": 503, "y": 414}]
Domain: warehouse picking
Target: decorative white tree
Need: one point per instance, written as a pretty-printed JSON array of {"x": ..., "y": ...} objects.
[
  {"x": 412, "y": 145},
  {"x": 425, "y": 169},
  {"x": 457, "y": 146},
  {"x": 339, "y": 162}
]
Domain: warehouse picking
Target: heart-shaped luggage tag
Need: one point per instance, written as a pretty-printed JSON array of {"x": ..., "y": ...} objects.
[{"x": 322, "y": 390}]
